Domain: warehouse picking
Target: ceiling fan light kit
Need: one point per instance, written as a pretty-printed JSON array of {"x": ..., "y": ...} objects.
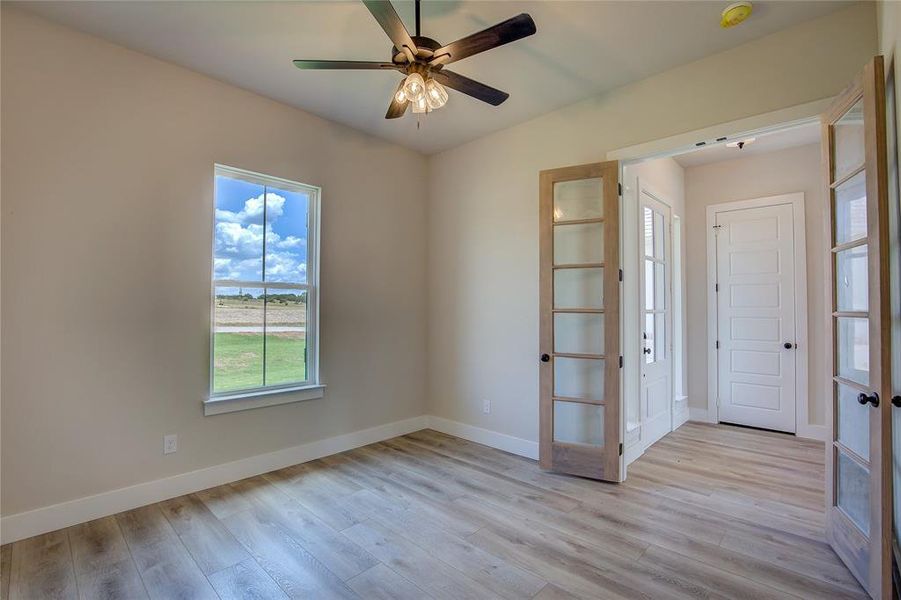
[{"x": 422, "y": 61}]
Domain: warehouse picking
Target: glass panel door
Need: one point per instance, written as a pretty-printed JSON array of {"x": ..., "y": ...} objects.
[
  {"x": 857, "y": 484},
  {"x": 579, "y": 327}
]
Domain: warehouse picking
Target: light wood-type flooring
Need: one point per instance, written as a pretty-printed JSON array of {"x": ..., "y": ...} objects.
[{"x": 708, "y": 512}]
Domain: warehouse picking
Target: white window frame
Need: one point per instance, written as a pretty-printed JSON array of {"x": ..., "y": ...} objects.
[{"x": 274, "y": 394}]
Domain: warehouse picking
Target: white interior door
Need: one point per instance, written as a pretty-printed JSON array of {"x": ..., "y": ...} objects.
[
  {"x": 756, "y": 326},
  {"x": 655, "y": 285}
]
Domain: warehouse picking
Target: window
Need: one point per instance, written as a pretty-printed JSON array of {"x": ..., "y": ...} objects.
[{"x": 265, "y": 290}]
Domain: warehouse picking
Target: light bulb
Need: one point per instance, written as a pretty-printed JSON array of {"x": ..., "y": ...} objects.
[
  {"x": 435, "y": 94},
  {"x": 414, "y": 86},
  {"x": 420, "y": 105},
  {"x": 400, "y": 97}
]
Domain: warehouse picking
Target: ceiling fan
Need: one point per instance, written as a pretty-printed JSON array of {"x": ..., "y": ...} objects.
[{"x": 422, "y": 60}]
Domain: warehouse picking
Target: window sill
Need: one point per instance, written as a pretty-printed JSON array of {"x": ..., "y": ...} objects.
[{"x": 258, "y": 399}]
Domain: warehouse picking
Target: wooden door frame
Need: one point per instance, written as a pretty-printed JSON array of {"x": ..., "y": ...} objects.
[
  {"x": 611, "y": 467},
  {"x": 869, "y": 86},
  {"x": 803, "y": 428}
]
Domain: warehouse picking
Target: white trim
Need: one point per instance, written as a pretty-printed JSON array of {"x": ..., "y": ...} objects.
[
  {"x": 681, "y": 416},
  {"x": 776, "y": 120},
  {"x": 494, "y": 439},
  {"x": 796, "y": 200},
  {"x": 813, "y": 432},
  {"x": 50, "y": 518},
  {"x": 261, "y": 397}
]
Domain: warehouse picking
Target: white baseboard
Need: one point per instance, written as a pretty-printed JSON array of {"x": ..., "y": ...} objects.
[
  {"x": 698, "y": 414},
  {"x": 813, "y": 432},
  {"x": 680, "y": 418},
  {"x": 501, "y": 441},
  {"x": 50, "y": 518}
]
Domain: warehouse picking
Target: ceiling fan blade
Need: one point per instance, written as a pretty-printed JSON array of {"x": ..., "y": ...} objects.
[
  {"x": 470, "y": 87},
  {"x": 343, "y": 64},
  {"x": 387, "y": 17},
  {"x": 508, "y": 31},
  {"x": 397, "y": 109}
]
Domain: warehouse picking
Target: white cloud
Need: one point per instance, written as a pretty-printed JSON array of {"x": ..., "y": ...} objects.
[{"x": 253, "y": 210}]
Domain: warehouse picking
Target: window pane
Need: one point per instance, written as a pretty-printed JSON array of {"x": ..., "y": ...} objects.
[
  {"x": 648, "y": 231},
  {"x": 854, "y": 491},
  {"x": 238, "y": 250},
  {"x": 578, "y": 199},
  {"x": 579, "y": 288},
  {"x": 579, "y": 378},
  {"x": 659, "y": 336},
  {"x": 849, "y": 141},
  {"x": 853, "y": 347},
  {"x": 649, "y": 338},
  {"x": 851, "y": 209},
  {"x": 286, "y": 320},
  {"x": 853, "y": 421},
  {"x": 649, "y": 285},
  {"x": 851, "y": 289},
  {"x": 286, "y": 235},
  {"x": 659, "y": 236},
  {"x": 577, "y": 333},
  {"x": 578, "y": 244},
  {"x": 576, "y": 423},
  {"x": 238, "y": 339}
]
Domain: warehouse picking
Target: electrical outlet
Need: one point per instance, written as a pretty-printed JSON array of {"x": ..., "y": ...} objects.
[
  {"x": 170, "y": 443},
  {"x": 486, "y": 406}
]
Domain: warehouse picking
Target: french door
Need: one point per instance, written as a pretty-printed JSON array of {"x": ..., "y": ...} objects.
[
  {"x": 657, "y": 317},
  {"x": 579, "y": 404},
  {"x": 858, "y": 477}
]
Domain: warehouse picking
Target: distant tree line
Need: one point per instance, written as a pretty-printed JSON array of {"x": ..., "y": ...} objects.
[{"x": 291, "y": 298}]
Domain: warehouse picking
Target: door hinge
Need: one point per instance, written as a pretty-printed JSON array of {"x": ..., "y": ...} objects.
[
  {"x": 717, "y": 344},
  {"x": 716, "y": 287},
  {"x": 620, "y": 274},
  {"x": 620, "y": 448},
  {"x": 620, "y": 362},
  {"x": 619, "y": 188}
]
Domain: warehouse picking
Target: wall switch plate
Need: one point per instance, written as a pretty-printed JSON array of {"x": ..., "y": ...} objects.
[
  {"x": 170, "y": 443},
  {"x": 486, "y": 407}
]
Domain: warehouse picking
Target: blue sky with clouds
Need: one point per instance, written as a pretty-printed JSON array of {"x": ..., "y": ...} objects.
[{"x": 240, "y": 232}]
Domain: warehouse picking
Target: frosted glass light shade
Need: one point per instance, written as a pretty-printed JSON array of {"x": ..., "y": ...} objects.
[
  {"x": 435, "y": 94},
  {"x": 414, "y": 86},
  {"x": 420, "y": 105}
]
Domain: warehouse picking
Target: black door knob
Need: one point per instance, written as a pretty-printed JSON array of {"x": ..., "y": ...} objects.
[
  {"x": 647, "y": 350},
  {"x": 864, "y": 399},
  {"x": 788, "y": 345},
  {"x": 545, "y": 358},
  {"x": 896, "y": 401}
]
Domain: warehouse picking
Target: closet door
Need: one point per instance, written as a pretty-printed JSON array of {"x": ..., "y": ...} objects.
[
  {"x": 580, "y": 430},
  {"x": 858, "y": 478}
]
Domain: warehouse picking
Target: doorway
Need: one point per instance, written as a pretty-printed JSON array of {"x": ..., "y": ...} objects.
[{"x": 757, "y": 311}]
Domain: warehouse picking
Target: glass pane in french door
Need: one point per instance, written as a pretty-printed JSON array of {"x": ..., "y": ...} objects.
[
  {"x": 578, "y": 199},
  {"x": 577, "y": 423},
  {"x": 579, "y": 288}
]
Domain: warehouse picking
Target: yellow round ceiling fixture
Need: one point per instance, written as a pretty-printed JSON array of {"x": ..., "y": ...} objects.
[{"x": 735, "y": 13}]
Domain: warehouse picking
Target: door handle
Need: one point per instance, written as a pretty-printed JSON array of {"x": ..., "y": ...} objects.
[
  {"x": 647, "y": 350},
  {"x": 788, "y": 345},
  {"x": 864, "y": 399},
  {"x": 896, "y": 401},
  {"x": 545, "y": 358}
]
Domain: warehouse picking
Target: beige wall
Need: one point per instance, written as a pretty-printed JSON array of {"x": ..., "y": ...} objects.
[
  {"x": 785, "y": 171},
  {"x": 483, "y": 201},
  {"x": 106, "y": 236}
]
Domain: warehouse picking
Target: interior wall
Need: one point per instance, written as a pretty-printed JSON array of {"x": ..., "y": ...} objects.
[
  {"x": 106, "y": 238},
  {"x": 796, "y": 169},
  {"x": 666, "y": 178},
  {"x": 483, "y": 201}
]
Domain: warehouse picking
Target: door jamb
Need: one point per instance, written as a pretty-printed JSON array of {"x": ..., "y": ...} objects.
[{"x": 803, "y": 428}]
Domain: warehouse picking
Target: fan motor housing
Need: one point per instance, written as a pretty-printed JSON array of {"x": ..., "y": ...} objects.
[{"x": 425, "y": 49}]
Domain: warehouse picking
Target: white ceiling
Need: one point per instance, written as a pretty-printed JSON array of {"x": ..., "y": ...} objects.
[
  {"x": 581, "y": 49},
  {"x": 801, "y": 135}
]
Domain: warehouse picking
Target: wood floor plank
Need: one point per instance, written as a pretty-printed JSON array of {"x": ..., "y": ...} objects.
[
  {"x": 6, "y": 556},
  {"x": 246, "y": 581},
  {"x": 223, "y": 501},
  {"x": 103, "y": 565},
  {"x": 165, "y": 566},
  {"x": 41, "y": 567},
  {"x": 383, "y": 583},
  {"x": 211, "y": 545},
  {"x": 286, "y": 561},
  {"x": 272, "y": 507},
  {"x": 416, "y": 565}
]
